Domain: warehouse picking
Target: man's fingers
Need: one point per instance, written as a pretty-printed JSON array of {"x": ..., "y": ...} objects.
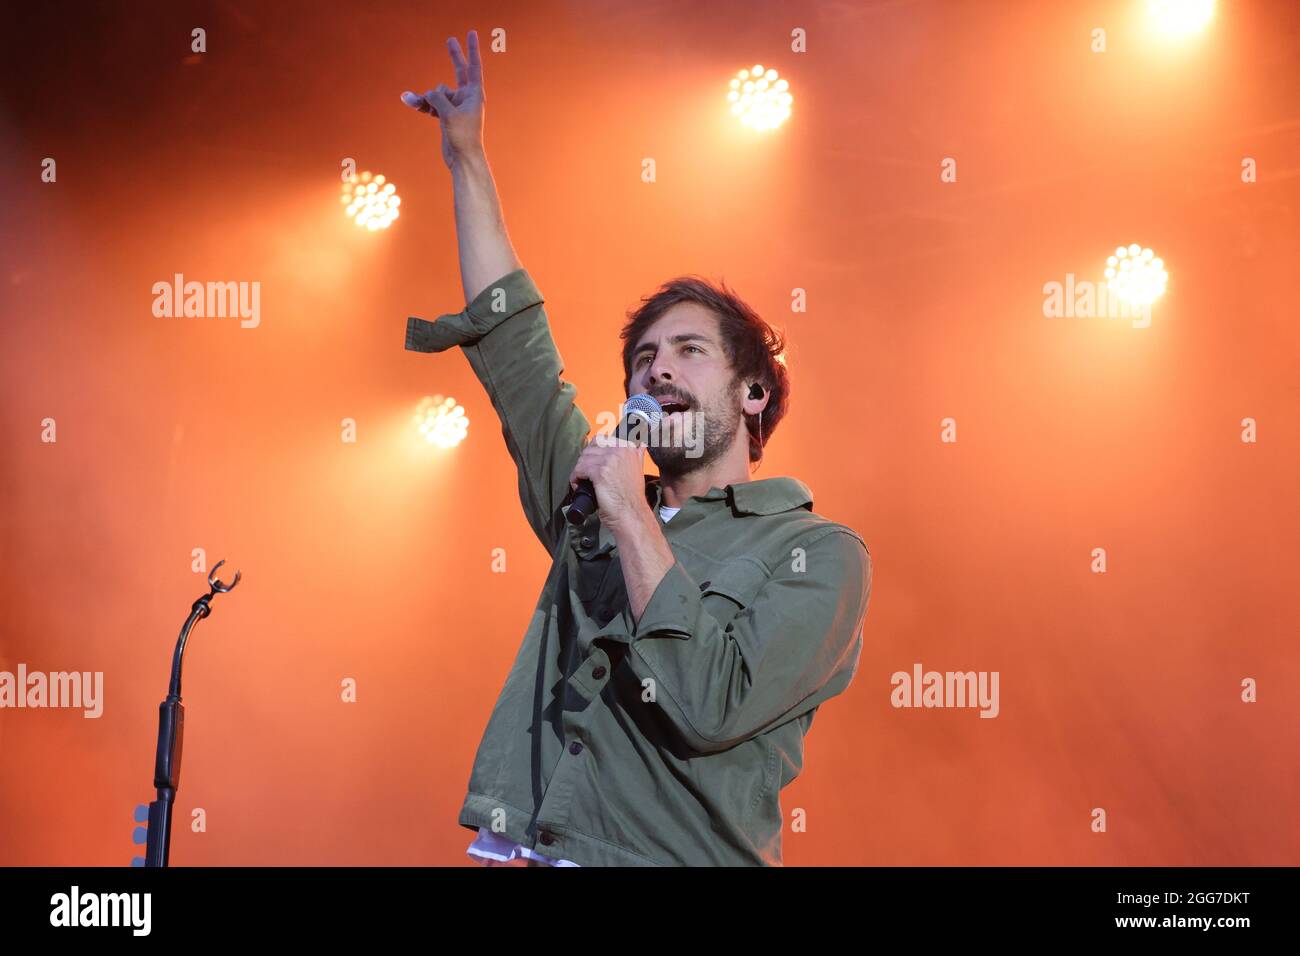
[
  {"x": 415, "y": 101},
  {"x": 449, "y": 93},
  {"x": 437, "y": 99},
  {"x": 458, "y": 60},
  {"x": 578, "y": 472},
  {"x": 582, "y": 467},
  {"x": 444, "y": 99},
  {"x": 434, "y": 101},
  {"x": 475, "y": 64}
]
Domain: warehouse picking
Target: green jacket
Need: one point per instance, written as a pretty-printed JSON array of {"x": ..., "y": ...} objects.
[{"x": 663, "y": 743}]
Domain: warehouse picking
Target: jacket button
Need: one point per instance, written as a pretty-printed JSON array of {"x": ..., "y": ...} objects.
[
  {"x": 704, "y": 584},
  {"x": 599, "y": 672},
  {"x": 587, "y": 542},
  {"x": 575, "y": 748},
  {"x": 547, "y": 839}
]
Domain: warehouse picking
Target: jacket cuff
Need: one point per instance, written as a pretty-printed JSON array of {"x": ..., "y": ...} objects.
[
  {"x": 619, "y": 628},
  {"x": 671, "y": 612},
  {"x": 508, "y": 296},
  {"x": 673, "y": 608}
]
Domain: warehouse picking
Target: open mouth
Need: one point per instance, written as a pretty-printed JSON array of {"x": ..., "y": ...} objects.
[{"x": 670, "y": 407}]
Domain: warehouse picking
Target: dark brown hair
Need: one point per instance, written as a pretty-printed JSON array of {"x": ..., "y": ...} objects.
[{"x": 754, "y": 348}]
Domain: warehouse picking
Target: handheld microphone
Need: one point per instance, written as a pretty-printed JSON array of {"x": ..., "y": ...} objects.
[{"x": 641, "y": 412}]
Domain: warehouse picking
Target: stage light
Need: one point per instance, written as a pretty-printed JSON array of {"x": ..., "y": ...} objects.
[
  {"x": 1135, "y": 275},
  {"x": 371, "y": 202},
  {"x": 441, "y": 421},
  {"x": 760, "y": 98},
  {"x": 1179, "y": 18}
]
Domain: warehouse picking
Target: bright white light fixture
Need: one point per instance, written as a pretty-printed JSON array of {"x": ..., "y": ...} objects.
[
  {"x": 1179, "y": 18},
  {"x": 371, "y": 202},
  {"x": 441, "y": 421},
  {"x": 1135, "y": 275},
  {"x": 760, "y": 98}
]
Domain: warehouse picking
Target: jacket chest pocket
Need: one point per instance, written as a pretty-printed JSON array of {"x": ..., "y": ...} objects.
[{"x": 732, "y": 587}]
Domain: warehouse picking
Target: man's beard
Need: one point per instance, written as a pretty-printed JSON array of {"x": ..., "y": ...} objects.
[{"x": 713, "y": 432}]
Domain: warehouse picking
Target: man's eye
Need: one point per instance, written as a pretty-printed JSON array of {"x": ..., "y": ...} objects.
[
  {"x": 696, "y": 347},
  {"x": 642, "y": 359}
]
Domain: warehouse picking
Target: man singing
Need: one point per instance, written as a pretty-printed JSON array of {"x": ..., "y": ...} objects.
[{"x": 692, "y": 624}]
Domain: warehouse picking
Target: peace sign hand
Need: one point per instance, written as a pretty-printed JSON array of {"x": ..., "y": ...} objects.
[{"x": 459, "y": 111}]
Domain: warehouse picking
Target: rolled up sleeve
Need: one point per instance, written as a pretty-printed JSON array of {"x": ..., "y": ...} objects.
[
  {"x": 507, "y": 297},
  {"x": 506, "y": 338}
]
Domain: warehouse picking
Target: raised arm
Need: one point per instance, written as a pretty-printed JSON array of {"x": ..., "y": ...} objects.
[
  {"x": 503, "y": 329},
  {"x": 484, "y": 244}
]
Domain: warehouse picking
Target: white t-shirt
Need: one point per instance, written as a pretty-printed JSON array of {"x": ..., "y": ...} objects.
[{"x": 492, "y": 846}]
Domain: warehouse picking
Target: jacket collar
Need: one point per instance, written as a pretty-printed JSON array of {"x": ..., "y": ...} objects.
[{"x": 766, "y": 496}]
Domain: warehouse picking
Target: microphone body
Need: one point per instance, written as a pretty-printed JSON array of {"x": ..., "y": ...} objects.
[{"x": 640, "y": 412}]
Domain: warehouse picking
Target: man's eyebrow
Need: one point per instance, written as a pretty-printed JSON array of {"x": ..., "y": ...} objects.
[{"x": 675, "y": 340}]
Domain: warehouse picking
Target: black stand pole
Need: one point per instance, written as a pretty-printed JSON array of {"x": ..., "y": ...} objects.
[{"x": 171, "y": 731}]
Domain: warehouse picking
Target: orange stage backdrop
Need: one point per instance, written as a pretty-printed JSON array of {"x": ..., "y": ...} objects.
[{"x": 372, "y": 560}]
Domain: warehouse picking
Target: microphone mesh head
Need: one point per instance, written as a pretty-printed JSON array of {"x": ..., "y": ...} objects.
[{"x": 645, "y": 405}]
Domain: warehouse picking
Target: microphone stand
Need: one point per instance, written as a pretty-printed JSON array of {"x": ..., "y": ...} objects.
[{"x": 157, "y": 836}]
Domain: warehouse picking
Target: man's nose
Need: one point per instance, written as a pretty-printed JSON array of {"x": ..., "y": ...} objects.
[{"x": 659, "y": 372}]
